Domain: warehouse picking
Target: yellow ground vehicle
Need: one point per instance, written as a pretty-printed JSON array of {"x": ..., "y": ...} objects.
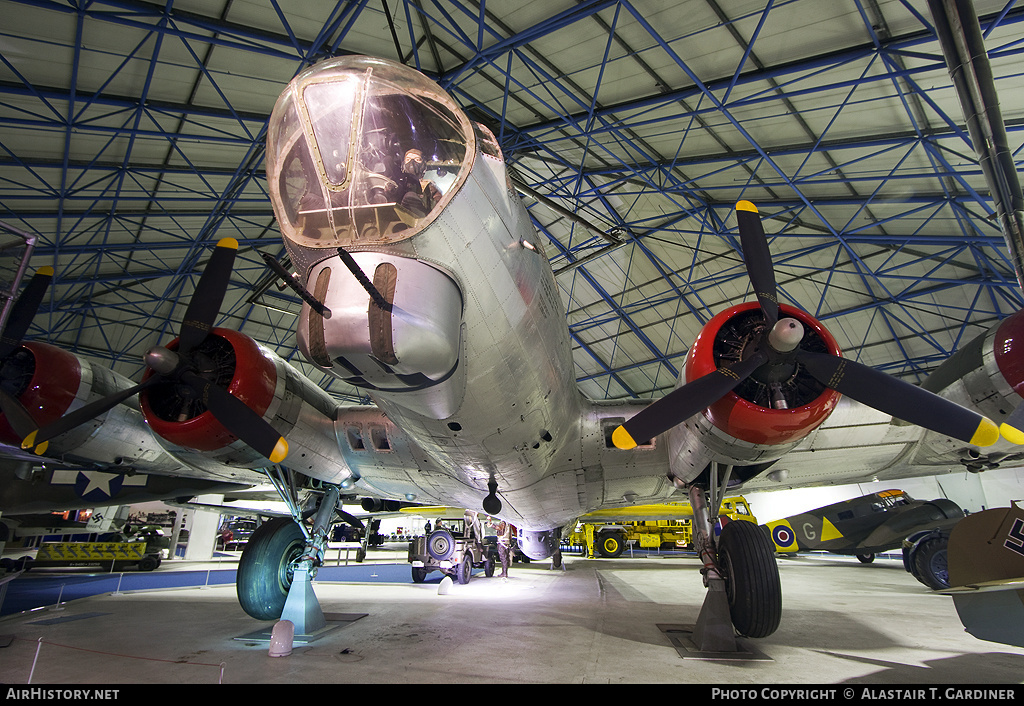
[
  {"x": 111, "y": 556},
  {"x": 608, "y": 532}
]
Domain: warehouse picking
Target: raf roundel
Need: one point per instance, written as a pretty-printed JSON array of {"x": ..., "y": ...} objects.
[{"x": 783, "y": 536}]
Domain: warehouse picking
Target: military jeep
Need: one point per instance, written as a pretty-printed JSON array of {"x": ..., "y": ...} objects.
[{"x": 454, "y": 549}]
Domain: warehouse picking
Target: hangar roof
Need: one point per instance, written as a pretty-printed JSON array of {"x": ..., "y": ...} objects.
[{"x": 132, "y": 139}]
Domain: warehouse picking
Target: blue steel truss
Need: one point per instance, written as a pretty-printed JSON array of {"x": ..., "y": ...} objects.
[{"x": 129, "y": 144}]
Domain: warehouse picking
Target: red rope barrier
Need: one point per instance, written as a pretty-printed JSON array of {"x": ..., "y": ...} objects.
[{"x": 115, "y": 654}]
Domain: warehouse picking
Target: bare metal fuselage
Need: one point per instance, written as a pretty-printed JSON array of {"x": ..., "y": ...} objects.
[
  {"x": 510, "y": 409},
  {"x": 461, "y": 340}
]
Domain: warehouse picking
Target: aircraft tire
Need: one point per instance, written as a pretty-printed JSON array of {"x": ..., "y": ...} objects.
[
  {"x": 930, "y": 563},
  {"x": 465, "y": 570},
  {"x": 747, "y": 558},
  {"x": 610, "y": 545},
  {"x": 865, "y": 558},
  {"x": 265, "y": 568}
]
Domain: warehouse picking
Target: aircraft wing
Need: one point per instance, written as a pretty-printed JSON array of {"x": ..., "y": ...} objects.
[
  {"x": 986, "y": 574},
  {"x": 435, "y": 512},
  {"x": 53, "y": 488},
  {"x": 440, "y": 306},
  {"x": 629, "y": 513},
  {"x": 857, "y": 444}
]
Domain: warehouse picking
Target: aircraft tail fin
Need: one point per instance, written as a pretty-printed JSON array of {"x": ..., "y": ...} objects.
[{"x": 986, "y": 574}]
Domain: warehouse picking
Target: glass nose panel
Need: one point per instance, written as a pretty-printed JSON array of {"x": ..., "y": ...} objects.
[
  {"x": 330, "y": 107},
  {"x": 363, "y": 152}
]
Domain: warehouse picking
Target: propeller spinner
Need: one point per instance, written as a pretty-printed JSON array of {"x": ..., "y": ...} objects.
[
  {"x": 180, "y": 367},
  {"x": 779, "y": 347}
]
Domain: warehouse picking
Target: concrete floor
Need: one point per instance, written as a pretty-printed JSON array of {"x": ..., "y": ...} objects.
[{"x": 596, "y": 621}]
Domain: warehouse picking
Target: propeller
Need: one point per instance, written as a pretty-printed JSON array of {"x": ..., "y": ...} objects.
[
  {"x": 776, "y": 352},
  {"x": 185, "y": 368},
  {"x": 1013, "y": 428},
  {"x": 18, "y": 321}
]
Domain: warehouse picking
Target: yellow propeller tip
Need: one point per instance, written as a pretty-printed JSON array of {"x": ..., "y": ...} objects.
[
  {"x": 746, "y": 206},
  {"x": 228, "y": 243},
  {"x": 29, "y": 441},
  {"x": 41, "y": 449},
  {"x": 986, "y": 434},
  {"x": 1012, "y": 434},
  {"x": 279, "y": 452},
  {"x": 46, "y": 270},
  {"x": 622, "y": 439}
]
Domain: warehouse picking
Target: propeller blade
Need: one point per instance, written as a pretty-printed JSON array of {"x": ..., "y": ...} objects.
[
  {"x": 758, "y": 260},
  {"x": 82, "y": 415},
  {"x": 1013, "y": 428},
  {"x": 204, "y": 306},
  {"x": 18, "y": 417},
  {"x": 24, "y": 310},
  {"x": 900, "y": 399},
  {"x": 202, "y": 310},
  {"x": 238, "y": 418},
  {"x": 684, "y": 402}
]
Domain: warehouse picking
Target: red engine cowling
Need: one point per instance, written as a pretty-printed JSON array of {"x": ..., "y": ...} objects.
[
  {"x": 50, "y": 380},
  {"x": 747, "y": 413},
  {"x": 1008, "y": 350},
  {"x": 238, "y": 364}
]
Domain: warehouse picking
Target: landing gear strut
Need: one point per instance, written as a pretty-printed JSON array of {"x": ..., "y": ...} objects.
[
  {"x": 281, "y": 559},
  {"x": 740, "y": 573}
]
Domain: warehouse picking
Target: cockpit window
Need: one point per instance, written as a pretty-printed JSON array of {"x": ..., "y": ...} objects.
[
  {"x": 361, "y": 152},
  {"x": 329, "y": 110}
]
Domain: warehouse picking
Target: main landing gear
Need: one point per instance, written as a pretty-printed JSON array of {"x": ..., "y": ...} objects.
[
  {"x": 744, "y": 591},
  {"x": 267, "y": 567},
  {"x": 281, "y": 558}
]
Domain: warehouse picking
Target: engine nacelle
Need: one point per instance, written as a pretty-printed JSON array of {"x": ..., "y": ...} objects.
[
  {"x": 539, "y": 544},
  {"x": 986, "y": 375},
  {"x": 299, "y": 410},
  {"x": 177, "y": 416},
  {"x": 49, "y": 382},
  {"x": 931, "y": 511},
  {"x": 45, "y": 380},
  {"x": 382, "y": 505},
  {"x": 767, "y": 414}
]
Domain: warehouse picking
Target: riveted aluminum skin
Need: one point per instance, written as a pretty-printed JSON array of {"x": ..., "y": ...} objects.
[{"x": 421, "y": 341}]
